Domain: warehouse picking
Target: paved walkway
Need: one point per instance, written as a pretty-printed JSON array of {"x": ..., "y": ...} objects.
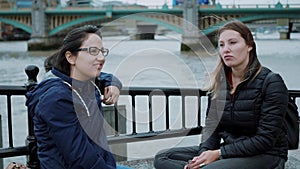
[
  {"x": 294, "y": 159},
  {"x": 139, "y": 164},
  {"x": 292, "y": 163}
]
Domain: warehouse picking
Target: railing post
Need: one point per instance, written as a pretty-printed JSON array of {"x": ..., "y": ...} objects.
[
  {"x": 32, "y": 159},
  {"x": 1, "y": 141}
]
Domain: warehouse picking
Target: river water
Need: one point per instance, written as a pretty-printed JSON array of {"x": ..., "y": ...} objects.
[{"x": 144, "y": 63}]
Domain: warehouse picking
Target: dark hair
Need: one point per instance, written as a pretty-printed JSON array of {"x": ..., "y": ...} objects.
[
  {"x": 71, "y": 42},
  {"x": 253, "y": 66}
]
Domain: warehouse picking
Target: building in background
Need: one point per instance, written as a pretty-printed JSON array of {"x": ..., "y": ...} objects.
[
  {"x": 180, "y": 2},
  {"x": 98, "y": 3},
  {"x": 24, "y": 3}
]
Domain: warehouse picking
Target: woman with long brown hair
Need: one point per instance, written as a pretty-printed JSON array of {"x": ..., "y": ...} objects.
[{"x": 243, "y": 128}]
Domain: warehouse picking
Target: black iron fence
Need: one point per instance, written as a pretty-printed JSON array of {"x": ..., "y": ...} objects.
[{"x": 30, "y": 149}]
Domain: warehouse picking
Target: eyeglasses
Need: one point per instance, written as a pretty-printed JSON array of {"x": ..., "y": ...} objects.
[{"x": 95, "y": 51}]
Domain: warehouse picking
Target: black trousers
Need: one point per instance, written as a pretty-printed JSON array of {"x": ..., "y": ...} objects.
[{"x": 176, "y": 158}]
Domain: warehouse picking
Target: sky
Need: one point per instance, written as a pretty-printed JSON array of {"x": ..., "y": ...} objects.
[{"x": 169, "y": 2}]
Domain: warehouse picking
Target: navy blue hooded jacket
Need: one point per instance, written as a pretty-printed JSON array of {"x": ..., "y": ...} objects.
[{"x": 68, "y": 135}]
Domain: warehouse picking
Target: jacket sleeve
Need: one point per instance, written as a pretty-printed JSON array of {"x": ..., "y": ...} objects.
[
  {"x": 107, "y": 79},
  {"x": 274, "y": 105},
  {"x": 210, "y": 137},
  {"x": 64, "y": 128}
]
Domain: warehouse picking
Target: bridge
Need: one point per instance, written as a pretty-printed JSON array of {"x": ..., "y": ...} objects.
[{"x": 47, "y": 22}]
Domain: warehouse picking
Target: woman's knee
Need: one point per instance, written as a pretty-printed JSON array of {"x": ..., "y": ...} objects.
[
  {"x": 159, "y": 160},
  {"x": 160, "y": 156}
]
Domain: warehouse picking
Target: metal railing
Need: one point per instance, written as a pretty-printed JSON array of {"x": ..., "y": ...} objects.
[
  {"x": 167, "y": 132},
  {"x": 30, "y": 148}
]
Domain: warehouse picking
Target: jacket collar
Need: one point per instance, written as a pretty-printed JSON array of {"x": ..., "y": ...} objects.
[{"x": 79, "y": 85}]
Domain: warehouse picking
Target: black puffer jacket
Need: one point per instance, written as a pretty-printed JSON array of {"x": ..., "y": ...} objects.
[{"x": 251, "y": 124}]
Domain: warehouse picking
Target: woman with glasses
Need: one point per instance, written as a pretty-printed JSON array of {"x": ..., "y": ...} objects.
[{"x": 66, "y": 106}]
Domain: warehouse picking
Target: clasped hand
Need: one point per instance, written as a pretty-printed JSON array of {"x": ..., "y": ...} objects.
[
  {"x": 205, "y": 158},
  {"x": 14, "y": 165},
  {"x": 111, "y": 95}
]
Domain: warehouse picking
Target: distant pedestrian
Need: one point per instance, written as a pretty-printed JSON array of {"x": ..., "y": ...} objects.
[{"x": 243, "y": 128}]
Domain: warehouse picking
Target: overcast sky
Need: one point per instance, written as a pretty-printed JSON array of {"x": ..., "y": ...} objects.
[{"x": 169, "y": 2}]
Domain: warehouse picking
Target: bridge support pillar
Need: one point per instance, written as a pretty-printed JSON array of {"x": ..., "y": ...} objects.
[
  {"x": 39, "y": 38},
  {"x": 191, "y": 32},
  {"x": 145, "y": 31},
  {"x": 284, "y": 28}
]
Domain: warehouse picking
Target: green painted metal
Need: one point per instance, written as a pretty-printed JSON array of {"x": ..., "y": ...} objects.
[
  {"x": 64, "y": 11},
  {"x": 224, "y": 11},
  {"x": 268, "y": 16},
  {"x": 132, "y": 17},
  {"x": 256, "y": 14},
  {"x": 96, "y": 14},
  {"x": 16, "y": 24},
  {"x": 249, "y": 19},
  {"x": 15, "y": 12},
  {"x": 175, "y": 11}
]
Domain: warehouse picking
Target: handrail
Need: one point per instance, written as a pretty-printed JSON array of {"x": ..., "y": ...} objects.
[
  {"x": 12, "y": 90},
  {"x": 294, "y": 93},
  {"x": 125, "y": 138},
  {"x": 118, "y": 138},
  {"x": 151, "y": 7}
]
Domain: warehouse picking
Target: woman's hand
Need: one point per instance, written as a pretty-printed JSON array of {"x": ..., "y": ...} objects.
[
  {"x": 111, "y": 95},
  {"x": 204, "y": 159},
  {"x": 13, "y": 165}
]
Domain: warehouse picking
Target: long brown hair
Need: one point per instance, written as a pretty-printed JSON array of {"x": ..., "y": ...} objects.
[{"x": 253, "y": 66}]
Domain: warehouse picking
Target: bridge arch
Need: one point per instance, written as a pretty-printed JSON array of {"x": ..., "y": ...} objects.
[
  {"x": 16, "y": 24},
  {"x": 246, "y": 19},
  {"x": 159, "y": 22},
  {"x": 62, "y": 27}
]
